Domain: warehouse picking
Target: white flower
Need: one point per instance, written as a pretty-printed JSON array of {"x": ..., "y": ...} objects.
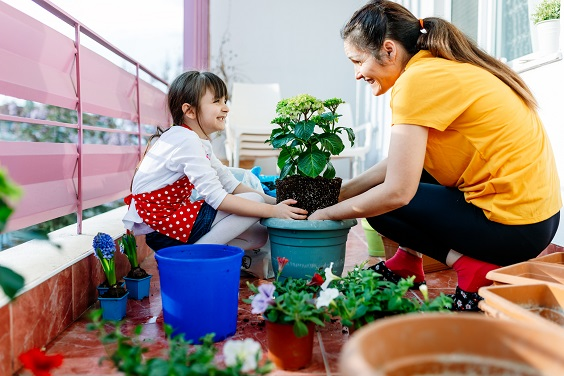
[
  {"x": 424, "y": 291},
  {"x": 329, "y": 277},
  {"x": 246, "y": 352},
  {"x": 326, "y": 297}
]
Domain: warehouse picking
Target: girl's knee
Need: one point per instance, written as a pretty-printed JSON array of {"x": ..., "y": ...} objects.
[{"x": 253, "y": 196}]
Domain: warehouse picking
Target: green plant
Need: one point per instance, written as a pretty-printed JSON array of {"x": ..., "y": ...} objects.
[
  {"x": 181, "y": 357},
  {"x": 546, "y": 10},
  {"x": 10, "y": 281},
  {"x": 307, "y": 136},
  {"x": 362, "y": 297},
  {"x": 128, "y": 246},
  {"x": 288, "y": 302}
]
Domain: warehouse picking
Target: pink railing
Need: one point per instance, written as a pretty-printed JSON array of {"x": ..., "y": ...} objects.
[{"x": 40, "y": 64}]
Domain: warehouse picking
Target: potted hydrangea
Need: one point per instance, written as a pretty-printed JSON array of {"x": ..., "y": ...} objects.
[
  {"x": 308, "y": 135},
  {"x": 291, "y": 312},
  {"x": 114, "y": 300},
  {"x": 137, "y": 281}
]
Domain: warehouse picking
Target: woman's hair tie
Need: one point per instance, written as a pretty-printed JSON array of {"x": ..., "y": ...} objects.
[{"x": 422, "y": 30}]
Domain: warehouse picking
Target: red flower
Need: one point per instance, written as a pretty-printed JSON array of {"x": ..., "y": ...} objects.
[
  {"x": 39, "y": 363},
  {"x": 316, "y": 280},
  {"x": 282, "y": 261}
]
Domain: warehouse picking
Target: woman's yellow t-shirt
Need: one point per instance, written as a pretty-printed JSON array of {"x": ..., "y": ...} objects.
[{"x": 483, "y": 139}]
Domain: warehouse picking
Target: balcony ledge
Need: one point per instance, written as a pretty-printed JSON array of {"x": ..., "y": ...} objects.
[{"x": 37, "y": 260}]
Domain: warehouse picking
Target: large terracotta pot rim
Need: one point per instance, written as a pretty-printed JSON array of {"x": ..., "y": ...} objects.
[{"x": 380, "y": 347}]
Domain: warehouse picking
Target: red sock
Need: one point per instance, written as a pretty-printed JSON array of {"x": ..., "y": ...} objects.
[
  {"x": 472, "y": 273},
  {"x": 405, "y": 265}
]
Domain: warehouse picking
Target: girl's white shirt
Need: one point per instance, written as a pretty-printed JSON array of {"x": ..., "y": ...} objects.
[{"x": 178, "y": 152}]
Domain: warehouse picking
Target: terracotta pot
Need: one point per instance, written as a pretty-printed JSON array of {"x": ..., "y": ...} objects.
[
  {"x": 526, "y": 273},
  {"x": 552, "y": 258},
  {"x": 447, "y": 344},
  {"x": 285, "y": 349},
  {"x": 542, "y": 304}
]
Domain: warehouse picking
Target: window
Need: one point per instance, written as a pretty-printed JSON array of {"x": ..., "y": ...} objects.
[{"x": 501, "y": 27}]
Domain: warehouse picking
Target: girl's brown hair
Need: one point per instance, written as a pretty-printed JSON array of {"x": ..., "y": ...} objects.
[
  {"x": 189, "y": 87},
  {"x": 383, "y": 19}
]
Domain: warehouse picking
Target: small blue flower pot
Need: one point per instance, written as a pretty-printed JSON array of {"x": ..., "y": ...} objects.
[
  {"x": 114, "y": 308},
  {"x": 138, "y": 288},
  {"x": 102, "y": 290}
]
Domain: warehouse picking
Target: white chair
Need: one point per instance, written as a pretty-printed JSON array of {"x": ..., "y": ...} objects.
[
  {"x": 252, "y": 108},
  {"x": 362, "y": 143}
]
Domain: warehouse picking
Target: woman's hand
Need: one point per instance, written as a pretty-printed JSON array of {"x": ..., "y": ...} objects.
[
  {"x": 285, "y": 211},
  {"x": 318, "y": 215}
]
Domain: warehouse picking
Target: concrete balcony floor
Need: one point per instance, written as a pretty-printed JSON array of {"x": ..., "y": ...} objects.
[{"x": 82, "y": 349}]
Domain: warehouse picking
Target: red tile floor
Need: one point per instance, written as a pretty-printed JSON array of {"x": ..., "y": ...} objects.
[{"x": 82, "y": 349}]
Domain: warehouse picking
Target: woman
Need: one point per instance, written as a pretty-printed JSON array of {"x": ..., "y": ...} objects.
[{"x": 468, "y": 121}]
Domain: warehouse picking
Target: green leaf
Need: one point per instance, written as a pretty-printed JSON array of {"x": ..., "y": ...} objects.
[
  {"x": 5, "y": 212},
  {"x": 312, "y": 163},
  {"x": 286, "y": 170},
  {"x": 304, "y": 129},
  {"x": 300, "y": 329},
  {"x": 282, "y": 140},
  {"x": 350, "y": 134},
  {"x": 332, "y": 143},
  {"x": 10, "y": 281},
  {"x": 329, "y": 172}
]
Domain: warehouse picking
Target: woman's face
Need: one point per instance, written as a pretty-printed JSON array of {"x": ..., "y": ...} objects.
[{"x": 381, "y": 75}]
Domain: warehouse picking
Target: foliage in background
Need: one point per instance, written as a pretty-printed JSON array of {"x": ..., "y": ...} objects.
[
  {"x": 289, "y": 302},
  {"x": 364, "y": 297},
  {"x": 308, "y": 136},
  {"x": 181, "y": 357},
  {"x": 546, "y": 10},
  {"x": 10, "y": 281}
]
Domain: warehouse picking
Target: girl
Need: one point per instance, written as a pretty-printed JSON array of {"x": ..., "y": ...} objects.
[
  {"x": 472, "y": 124},
  {"x": 163, "y": 203}
]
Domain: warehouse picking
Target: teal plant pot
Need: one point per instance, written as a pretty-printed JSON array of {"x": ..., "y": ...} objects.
[
  {"x": 308, "y": 245},
  {"x": 113, "y": 308},
  {"x": 138, "y": 288},
  {"x": 102, "y": 290}
]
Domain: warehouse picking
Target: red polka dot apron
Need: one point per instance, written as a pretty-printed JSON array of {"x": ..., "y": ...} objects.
[{"x": 168, "y": 210}]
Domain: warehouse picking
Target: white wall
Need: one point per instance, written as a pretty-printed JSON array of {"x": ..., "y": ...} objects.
[
  {"x": 296, "y": 43},
  {"x": 547, "y": 84}
]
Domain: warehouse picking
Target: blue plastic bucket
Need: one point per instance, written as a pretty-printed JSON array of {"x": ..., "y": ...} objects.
[{"x": 200, "y": 288}]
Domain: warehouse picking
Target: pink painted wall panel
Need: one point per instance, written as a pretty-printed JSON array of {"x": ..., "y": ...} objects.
[
  {"x": 107, "y": 173},
  {"x": 153, "y": 105},
  {"x": 106, "y": 89},
  {"x": 36, "y": 60},
  {"x": 44, "y": 171}
]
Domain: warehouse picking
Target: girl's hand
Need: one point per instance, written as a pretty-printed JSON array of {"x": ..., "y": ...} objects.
[{"x": 285, "y": 211}]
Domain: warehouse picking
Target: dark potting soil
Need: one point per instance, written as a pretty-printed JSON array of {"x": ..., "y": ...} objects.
[
  {"x": 311, "y": 193},
  {"x": 114, "y": 292},
  {"x": 137, "y": 273}
]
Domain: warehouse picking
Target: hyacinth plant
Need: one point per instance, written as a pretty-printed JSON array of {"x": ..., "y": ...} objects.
[
  {"x": 105, "y": 250},
  {"x": 289, "y": 302},
  {"x": 308, "y": 136},
  {"x": 128, "y": 246}
]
